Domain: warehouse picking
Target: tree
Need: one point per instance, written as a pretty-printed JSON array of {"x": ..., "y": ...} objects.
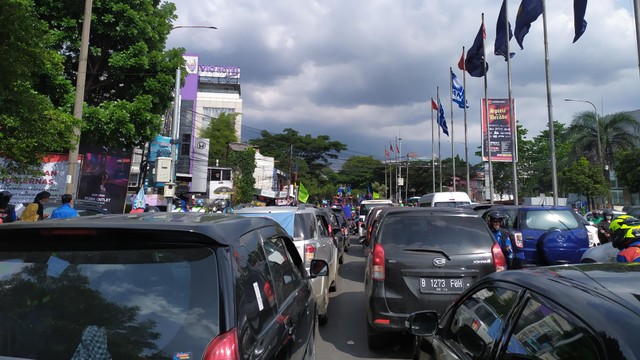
[
  {"x": 130, "y": 77},
  {"x": 243, "y": 164},
  {"x": 583, "y": 177},
  {"x": 32, "y": 121},
  {"x": 628, "y": 168},
  {"x": 220, "y": 132},
  {"x": 358, "y": 171}
]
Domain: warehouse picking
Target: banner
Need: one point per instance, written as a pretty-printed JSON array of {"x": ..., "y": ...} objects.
[
  {"x": 104, "y": 177},
  {"x": 500, "y": 125}
]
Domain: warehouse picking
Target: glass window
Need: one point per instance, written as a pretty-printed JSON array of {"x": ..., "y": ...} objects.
[
  {"x": 304, "y": 226},
  {"x": 481, "y": 316},
  {"x": 547, "y": 219},
  {"x": 323, "y": 227},
  {"x": 285, "y": 275},
  {"x": 544, "y": 333},
  {"x": 139, "y": 303}
]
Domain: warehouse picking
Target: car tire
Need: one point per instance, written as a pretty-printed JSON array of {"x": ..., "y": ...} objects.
[
  {"x": 375, "y": 340},
  {"x": 334, "y": 287},
  {"x": 323, "y": 319}
]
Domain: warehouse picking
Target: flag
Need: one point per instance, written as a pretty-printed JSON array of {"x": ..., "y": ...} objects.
[
  {"x": 461, "y": 61},
  {"x": 139, "y": 201},
  {"x": 397, "y": 150},
  {"x": 528, "y": 12},
  {"x": 390, "y": 146},
  {"x": 441, "y": 119},
  {"x": 376, "y": 195},
  {"x": 303, "y": 194},
  {"x": 434, "y": 106},
  {"x": 457, "y": 91},
  {"x": 579, "y": 10},
  {"x": 500, "y": 47},
  {"x": 386, "y": 152},
  {"x": 475, "y": 55}
]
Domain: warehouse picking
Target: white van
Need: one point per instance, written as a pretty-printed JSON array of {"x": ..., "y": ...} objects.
[{"x": 445, "y": 199}]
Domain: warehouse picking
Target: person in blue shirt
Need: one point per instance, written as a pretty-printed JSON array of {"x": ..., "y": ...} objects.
[
  {"x": 65, "y": 210},
  {"x": 494, "y": 220}
]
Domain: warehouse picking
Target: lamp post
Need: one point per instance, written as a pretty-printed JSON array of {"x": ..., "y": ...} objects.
[{"x": 175, "y": 125}]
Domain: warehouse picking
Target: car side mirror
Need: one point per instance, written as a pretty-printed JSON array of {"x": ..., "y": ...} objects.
[
  {"x": 471, "y": 341},
  {"x": 318, "y": 268},
  {"x": 423, "y": 323}
]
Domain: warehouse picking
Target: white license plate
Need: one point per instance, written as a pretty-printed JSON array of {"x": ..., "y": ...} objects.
[{"x": 443, "y": 285}]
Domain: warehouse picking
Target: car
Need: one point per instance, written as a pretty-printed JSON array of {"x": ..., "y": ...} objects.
[
  {"x": 537, "y": 313},
  {"x": 445, "y": 199},
  {"x": 365, "y": 207},
  {"x": 84, "y": 207},
  {"x": 423, "y": 258},
  {"x": 337, "y": 231},
  {"x": 344, "y": 224},
  {"x": 544, "y": 235},
  {"x": 155, "y": 285},
  {"x": 633, "y": 211},
  {"x": 594, "y": 240},
  {"x": 309, "y": 228},
  {"x": 603, "y": 253}
]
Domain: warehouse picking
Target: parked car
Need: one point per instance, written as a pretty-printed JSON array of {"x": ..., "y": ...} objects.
[
  {"x": 309, "y": 229},
  {"x": 423, "y": 258},
  {"x": 155, "y": 285},
  {"x": 544, "y": 235},
  {"x": 84, "y": 207},
  {"x": 583, "y": 311}
]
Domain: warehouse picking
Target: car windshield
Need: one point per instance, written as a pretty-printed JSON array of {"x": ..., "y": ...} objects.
[
  {"x": 365, "y": 208},
  {"x": 452, "y": 234},
  {"x": 136, "y": 304},
  {"x": 548, "y": 219}
]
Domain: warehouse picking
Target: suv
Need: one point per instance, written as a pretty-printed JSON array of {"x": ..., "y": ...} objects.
[
  {"x": 423, "y": 258},
  {"x": 544, "y": 235},
  {"x": 309, "y": 228},
  {"x": 155, "y": 285}
]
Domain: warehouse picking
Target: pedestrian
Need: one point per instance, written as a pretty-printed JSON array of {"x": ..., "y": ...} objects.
[
  {"x": 604, "y": 227},
  {"x": 7, "y": 211},
  {"x": 494, "y": 220},
  {"x": 65, "y": 210},
  {"x": 35, "y": 210}
]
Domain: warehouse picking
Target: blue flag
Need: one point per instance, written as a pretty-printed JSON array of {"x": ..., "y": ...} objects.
[
  {"x": 139, "y": 201},
  {"x": 457, "y": 91},
  {"x": 442, "y": 121},
  {"x": 475, "y": 62},
  {"x": 579, "y": 10},
  {"x": 500, "y": 46},
  {"x": 528, "y": 12}
]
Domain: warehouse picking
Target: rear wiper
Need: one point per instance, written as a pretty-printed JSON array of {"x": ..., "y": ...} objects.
[
  {"x": 437, "y": 251},
  {"x": 559, "y": 220}
]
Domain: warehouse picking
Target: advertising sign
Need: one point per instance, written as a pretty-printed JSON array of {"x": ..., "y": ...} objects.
[
  {"x": 53, "y": 179},
  {"x": 104, "y": 177},
  {"x": 500, "y": 127}
]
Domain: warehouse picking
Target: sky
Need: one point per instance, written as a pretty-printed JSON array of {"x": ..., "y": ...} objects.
[{"x": 364, "y": 72}]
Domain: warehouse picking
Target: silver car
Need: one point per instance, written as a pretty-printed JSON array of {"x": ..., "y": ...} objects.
[{"x": 310, "y": 231}]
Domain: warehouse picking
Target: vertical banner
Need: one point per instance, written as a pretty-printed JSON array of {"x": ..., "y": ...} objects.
[
  {"x": 104, "y": 177},
  {"x": 500, "y": 125},
  {"x": 199, "y": 164}
]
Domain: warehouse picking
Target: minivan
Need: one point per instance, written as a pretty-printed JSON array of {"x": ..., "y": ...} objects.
[{"x": 445, "y": 199}]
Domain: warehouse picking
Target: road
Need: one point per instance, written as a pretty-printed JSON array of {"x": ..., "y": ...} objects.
[{"x": 345, "y": 334}]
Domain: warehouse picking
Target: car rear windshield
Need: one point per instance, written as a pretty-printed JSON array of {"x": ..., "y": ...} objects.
[
  {"x": 550, "y": 218},
  {"x": 133, "y": 304},
  {"x": 453, "y": 234},
  {"x": 365, "y": 208}
]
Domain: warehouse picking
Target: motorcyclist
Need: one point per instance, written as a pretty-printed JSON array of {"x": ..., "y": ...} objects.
[
  {"x": 604, "y": 230},
  {"x": 629, "y": 245},
  {"x": 494, "y": 221}
]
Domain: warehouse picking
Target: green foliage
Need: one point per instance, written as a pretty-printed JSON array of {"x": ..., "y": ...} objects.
[
  {"x": 221, "y": 131},
  {"x": 583, "y": 177},
  {"x": 359, "y": 171},
  {"x": 243, "y": 164},
  {"x": 628, "y": 169}
]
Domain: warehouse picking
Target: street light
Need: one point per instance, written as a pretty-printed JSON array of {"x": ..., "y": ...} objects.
[
  {"x": 595, "y": 111},
  {"x": 175, "y": 126}
]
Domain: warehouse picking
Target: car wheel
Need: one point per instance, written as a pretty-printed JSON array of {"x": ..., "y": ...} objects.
[
  {"x": 333, "y": 287},
  {"x": 322, "y": 319},
  {"x": 341, "y": 260},
  {"x": 375, "y": 340}
]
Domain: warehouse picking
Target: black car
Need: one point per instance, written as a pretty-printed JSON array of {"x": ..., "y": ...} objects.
[
  {"x": 423, "y": 258},
  {"x": 584, "y": 311},
  {"x": 155, "y": 286}
]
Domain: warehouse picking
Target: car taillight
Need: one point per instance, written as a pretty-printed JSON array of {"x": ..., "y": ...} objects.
[
  {"x": 517, "y": 237},
  {"x": 309, "y": 252},
  {"x": 499, "y": 261},
  {"x": 330, "y": 229},
  {"x": 223, "y": 347},
  {"x": 377, "y": 265}
]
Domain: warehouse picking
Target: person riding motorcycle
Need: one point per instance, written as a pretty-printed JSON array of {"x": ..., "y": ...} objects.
[
  {"x": 502, "y": 236},
  {"x": 629, "y": 245},
  {"x": 604, "y": 230}
]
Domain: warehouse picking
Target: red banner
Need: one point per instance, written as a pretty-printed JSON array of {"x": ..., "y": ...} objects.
[{"x": 501, "y": 125}]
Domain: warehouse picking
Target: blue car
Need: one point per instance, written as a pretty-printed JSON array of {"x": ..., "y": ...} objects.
[{"x": 544, "y": 235}]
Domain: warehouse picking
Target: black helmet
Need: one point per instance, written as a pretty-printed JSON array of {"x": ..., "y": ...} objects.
[
  {"x": 494, "y": 215},
  {"x": 607, "y": 212}
]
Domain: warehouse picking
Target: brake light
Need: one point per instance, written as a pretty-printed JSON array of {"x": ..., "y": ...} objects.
[
  {"x": 377, "y": 264},
  {"x": 330, "y": 229},
  {"x": 223, "y": 347},
  {"x": 499, "y": 261},
  {"x": 517, "y": 237},
  {"x": 309, "y": 252}
]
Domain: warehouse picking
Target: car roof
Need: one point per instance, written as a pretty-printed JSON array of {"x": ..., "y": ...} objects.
[
  {"x": 570, "y": 284},
  {"x": 275, "y": 209},
  {"x": 222, "y": 229},
  {"x": 430, "y": 211}
]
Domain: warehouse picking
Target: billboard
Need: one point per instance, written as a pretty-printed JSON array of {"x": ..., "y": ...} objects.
[
  {"x": 104, "y": 177},
  {"x": 500, "y": 127}
]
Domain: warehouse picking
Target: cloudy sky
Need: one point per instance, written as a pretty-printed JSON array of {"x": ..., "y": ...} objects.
[{"x": 363, "y": 72}]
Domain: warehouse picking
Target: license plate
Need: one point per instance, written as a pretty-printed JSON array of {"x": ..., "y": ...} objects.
[{"x": 443, "y": 285}]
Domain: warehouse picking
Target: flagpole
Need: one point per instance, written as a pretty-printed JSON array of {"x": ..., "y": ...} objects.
[
  {"x": 512, "y": 123},
  {"x": 439, "y": 145},
  {"x": 486, "y": 113},
  {"x": 453, "y": 159},
  {"x": 466, "y": 143},
  {"x": 433, "y": 162},
  {"x": 554, "y": 174}
]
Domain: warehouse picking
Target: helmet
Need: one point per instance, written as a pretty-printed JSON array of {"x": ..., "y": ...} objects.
[
  {"x": 494, "y": 215},
  {"x": 617, "y": 222},
  {"x": 623, "y": 232},
  {"x": 607, "y": 212}
]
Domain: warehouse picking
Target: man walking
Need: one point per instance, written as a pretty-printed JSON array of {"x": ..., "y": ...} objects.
[{"x": 65, "y": 210}]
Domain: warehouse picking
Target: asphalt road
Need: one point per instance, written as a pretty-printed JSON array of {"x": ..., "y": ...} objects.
[{"x": 345, "y": 334}]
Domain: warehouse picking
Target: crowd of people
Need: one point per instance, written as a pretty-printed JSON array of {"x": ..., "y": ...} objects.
[{"x": 35, "y": 210}]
